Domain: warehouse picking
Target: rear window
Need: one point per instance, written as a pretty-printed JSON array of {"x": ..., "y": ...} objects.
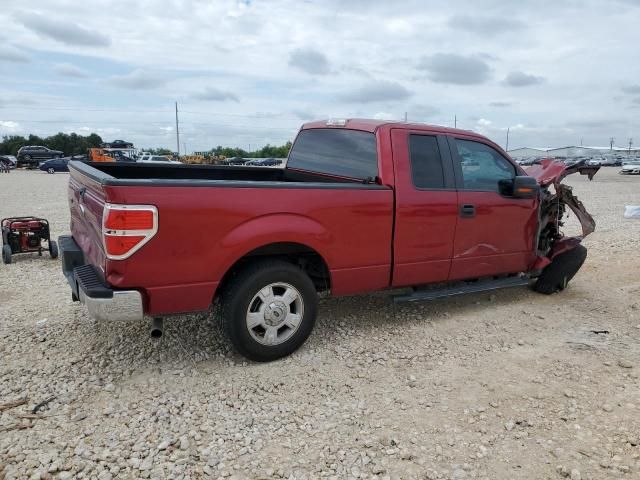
[
  {"x": 340, "y": 152},
  {"x": 426, "y": 164}
]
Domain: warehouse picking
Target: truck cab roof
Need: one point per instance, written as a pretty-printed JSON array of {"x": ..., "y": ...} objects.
[{"x": 371, "y": 125}]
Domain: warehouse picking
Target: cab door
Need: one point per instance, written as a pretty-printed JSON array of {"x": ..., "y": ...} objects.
[
  {"x": 426, "y": 207},
  {"x": 495, "y": 233}
]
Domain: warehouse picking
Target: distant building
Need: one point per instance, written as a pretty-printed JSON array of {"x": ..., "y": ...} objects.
[
  {"x": 568, "y": 152},
  {"x": 527, "y": 152}
]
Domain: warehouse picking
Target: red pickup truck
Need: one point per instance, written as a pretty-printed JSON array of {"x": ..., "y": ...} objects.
[{"x": 362, "y": 205}]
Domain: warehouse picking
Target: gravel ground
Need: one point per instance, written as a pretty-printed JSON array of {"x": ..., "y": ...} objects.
[{"x": 488, "y": 386}]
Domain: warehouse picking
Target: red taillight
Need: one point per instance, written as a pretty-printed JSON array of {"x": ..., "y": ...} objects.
[
  {"x": 126, "y": 228},
  {"x": 129, "y": 220},
  {"x": 117, "y": 246}
]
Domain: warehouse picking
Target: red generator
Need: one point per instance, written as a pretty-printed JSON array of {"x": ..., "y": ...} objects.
[{"x": 25, "y": 235}]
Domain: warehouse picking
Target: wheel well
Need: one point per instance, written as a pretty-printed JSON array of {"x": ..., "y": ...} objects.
[{"x": 304, "y": 257}]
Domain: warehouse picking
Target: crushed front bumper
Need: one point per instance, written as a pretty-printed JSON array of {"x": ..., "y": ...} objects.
[{"x": 88, "y": 287}]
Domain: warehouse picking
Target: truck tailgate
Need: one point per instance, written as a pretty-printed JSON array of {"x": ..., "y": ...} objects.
[{"x": 86, "y": 202}]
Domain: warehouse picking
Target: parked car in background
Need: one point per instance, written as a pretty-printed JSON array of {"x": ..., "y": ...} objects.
[
  {"x": 9, "y": 160},
  {"x": 234, "y": 161},
  {"x": 630, "y": 168},
  {"x": 264, "y": 162},
  {"x": 55, "y": 165},
  {"x": 117, "y": 144},
  {"x": 142, "y": 156},
  {"x": 156, "y": 159},
  {"x": 31, "y": 155}
]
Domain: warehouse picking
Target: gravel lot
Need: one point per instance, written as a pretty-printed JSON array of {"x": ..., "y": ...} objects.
[{"x": 508, "y": 385}]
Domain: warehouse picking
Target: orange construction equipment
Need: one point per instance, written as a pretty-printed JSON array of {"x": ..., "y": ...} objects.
[
  {"x": 111, "y": 154},
  {"x": 99, "y": 155}
]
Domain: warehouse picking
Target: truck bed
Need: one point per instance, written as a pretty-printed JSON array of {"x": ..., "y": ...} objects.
[
  {"x": 210, "y": 216},
  {"x": 122, "y": 173}
]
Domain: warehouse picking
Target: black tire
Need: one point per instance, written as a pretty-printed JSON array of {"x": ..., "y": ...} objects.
[
  {"x": 50, "y": 171},
  {"x": 6, "y": 254},
  {"x": 27, "y": 158},
  {"x": 239, "y": 293},
  {"x": 53, "y": 249},
  {"x": 559, "y": 273}
]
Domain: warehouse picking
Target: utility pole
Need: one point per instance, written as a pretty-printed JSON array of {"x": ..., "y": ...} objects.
[
  {"x": 611, "y": 142},
  {"x": 630, "y": 143},
  {"x": 455, "y": 121},
  {"x": 177, "y": 132},
  {"x": 405, "y": 117},
  {"x": 581, "y": 139},
  {"x": 506, "y": 148}
]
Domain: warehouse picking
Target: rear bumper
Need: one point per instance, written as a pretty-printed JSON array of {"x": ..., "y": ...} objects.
[{"x": 88, "y": 287}]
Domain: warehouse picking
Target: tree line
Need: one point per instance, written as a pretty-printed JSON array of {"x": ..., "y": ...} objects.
[
  {"x": 268, "y": 151},
  {"x": 69, "y": 143},
  {"x": 74, "y": 144}
]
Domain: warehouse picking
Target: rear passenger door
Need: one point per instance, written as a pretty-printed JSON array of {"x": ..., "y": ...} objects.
[
  {"x": 495, "y": 232},
  {"x": 426, "y": 207}
]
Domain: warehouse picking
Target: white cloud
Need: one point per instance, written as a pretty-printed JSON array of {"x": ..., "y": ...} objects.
[
  {"x": 138, "y": 80},
  {"x": 10, "y": 125},
  {"x": 70, "y": 70}
]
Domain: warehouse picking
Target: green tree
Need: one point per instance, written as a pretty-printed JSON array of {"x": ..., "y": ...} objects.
[{"x": 70, "y": 144}]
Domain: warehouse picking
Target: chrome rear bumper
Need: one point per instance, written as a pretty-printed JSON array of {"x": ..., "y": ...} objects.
[{"x": 88, "y": 287}]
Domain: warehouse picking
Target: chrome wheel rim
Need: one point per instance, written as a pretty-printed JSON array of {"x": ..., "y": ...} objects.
[{"x": 275, "y": 314}]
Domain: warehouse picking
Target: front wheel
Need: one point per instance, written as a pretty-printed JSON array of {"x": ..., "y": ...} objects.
[
  {"x": 268, "y": 309},
  {"x": 561, "y": 270}
]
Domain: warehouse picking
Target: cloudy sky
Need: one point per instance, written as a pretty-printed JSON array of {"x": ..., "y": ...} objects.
[{"x": 249, "y": 72}]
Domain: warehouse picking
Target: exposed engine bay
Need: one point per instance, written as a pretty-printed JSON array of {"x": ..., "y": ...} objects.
[{"x": 555, "y": 197}]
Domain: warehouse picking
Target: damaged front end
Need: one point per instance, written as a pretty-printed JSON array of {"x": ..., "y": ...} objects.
[{"x": 553, "y": 204}]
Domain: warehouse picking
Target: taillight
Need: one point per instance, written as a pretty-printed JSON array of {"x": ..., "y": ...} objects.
[{"x": 126, "y": 228}]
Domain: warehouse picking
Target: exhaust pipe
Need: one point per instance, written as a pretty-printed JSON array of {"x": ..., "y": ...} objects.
[{"x": 157, "y": 327}]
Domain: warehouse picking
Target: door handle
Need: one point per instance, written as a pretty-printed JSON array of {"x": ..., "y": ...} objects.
[{"x": 467, "y": 211}]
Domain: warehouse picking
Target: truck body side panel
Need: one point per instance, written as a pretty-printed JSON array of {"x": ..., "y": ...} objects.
[{"x": 204, "y": 231}]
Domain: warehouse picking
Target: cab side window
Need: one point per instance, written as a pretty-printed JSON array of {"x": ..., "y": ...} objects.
[
  {"x": 426, "y": 164},
  {"x": 482, "y": 166}
]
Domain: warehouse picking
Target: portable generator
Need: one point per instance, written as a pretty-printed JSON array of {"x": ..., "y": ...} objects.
[{"x": 25, "y": 235}]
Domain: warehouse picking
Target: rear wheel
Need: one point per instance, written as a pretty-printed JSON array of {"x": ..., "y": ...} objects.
[
  {"x": 51, "y": 171},
  {"x": 562, "y": 269},
  {"x": 6, "y": 254},
  {"x": 53, "y": 249},
  {"x": 268, "y": 309}
]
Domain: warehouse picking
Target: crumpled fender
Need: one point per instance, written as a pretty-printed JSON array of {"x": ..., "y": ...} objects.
[
  {"x": 560, "y": 246},
  {"x": 554, "y": 171}
]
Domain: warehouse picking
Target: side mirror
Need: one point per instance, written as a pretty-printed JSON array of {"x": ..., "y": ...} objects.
[{"x": 520, "y": 187}]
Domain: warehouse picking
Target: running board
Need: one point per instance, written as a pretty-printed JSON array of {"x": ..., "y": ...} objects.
[{"x": 470, "y": 287}]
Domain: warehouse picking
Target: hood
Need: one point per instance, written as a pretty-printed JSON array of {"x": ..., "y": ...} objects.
[{"x": 551, "y": 171}]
